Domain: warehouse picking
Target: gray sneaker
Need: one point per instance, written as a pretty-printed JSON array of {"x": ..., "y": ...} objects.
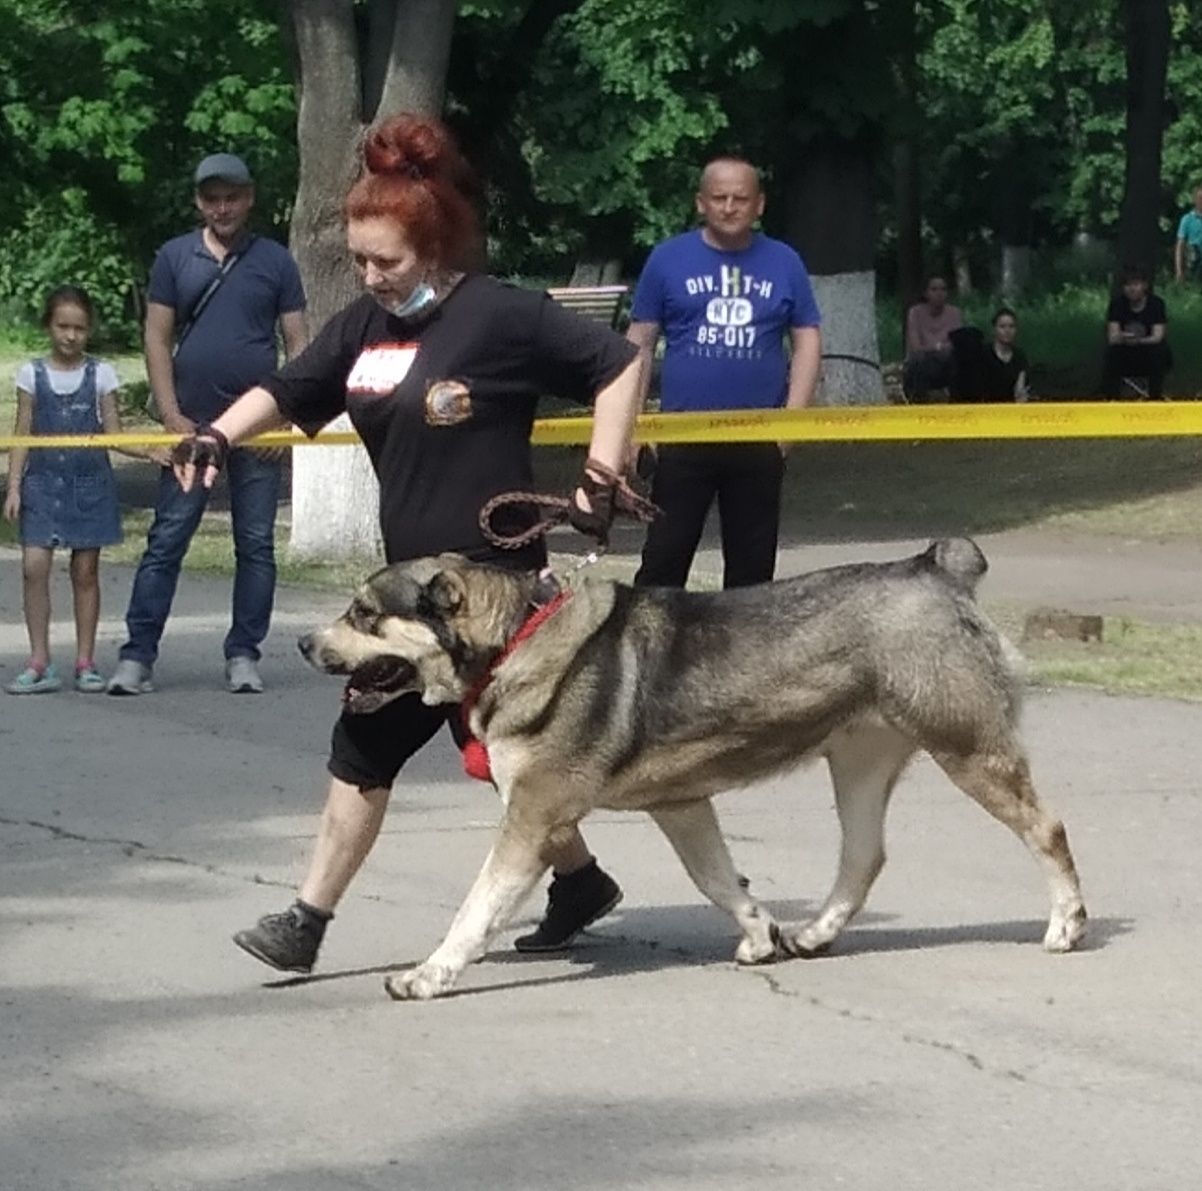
[
  {"x": 242, "y": 676},
  {"x": 130, "y": 678}
]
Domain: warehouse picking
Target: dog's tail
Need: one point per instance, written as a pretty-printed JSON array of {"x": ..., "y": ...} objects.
[{"x": 959, "y": 559}]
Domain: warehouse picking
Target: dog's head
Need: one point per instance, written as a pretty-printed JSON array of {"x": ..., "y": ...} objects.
[{"x": 431, "y": 625}]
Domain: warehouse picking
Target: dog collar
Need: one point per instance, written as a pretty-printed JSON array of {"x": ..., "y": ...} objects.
[{"x": 475, "y": 755}]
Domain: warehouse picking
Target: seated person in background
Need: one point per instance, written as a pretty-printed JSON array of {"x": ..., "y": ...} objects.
[
  {"x": 1135, "y": 342},
  {"x": 1004, "y": 365},
  {"x": 929, "y": 324}
]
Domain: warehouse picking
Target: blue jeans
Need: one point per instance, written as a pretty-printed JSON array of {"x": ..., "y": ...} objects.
[{"x": 254, "y": 485}]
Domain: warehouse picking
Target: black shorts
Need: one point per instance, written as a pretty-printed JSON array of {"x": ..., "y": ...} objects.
[{"x": 368, "y": 751}]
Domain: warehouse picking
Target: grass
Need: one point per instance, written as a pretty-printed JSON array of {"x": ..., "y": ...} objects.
[
  {"x": 1133, "y": 657},
  {"x": 1149, "y": 488}
]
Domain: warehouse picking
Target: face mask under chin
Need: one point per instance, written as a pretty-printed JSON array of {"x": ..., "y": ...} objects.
[{"x": 417, "y": 303}]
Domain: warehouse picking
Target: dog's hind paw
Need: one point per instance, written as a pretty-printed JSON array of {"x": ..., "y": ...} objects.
[
  {"x": 1065, "y": 931},
  {"x": 804, "y": 941},
  {"x": 422, "y": 983}
]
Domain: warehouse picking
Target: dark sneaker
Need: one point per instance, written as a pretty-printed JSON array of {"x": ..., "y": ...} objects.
[
  {"x": 573, "y": 902},
  {"x": 289, "y": 941}
]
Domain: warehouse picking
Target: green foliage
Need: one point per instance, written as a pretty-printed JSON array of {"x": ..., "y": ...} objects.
[
  {"x": 1022, "y": 105},
  {"x": 119, "y": 101},
  {"x": 625, "y": 102},
  {"x": 591, "y": 143},
  {"x": 60, "y": 241}
]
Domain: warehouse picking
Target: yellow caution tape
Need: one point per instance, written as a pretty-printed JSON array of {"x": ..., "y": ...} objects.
[{"x": 875, "y": 423}]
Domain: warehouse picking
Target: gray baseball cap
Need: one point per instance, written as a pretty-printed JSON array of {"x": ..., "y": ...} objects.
[{"x": 223, "y": 167}]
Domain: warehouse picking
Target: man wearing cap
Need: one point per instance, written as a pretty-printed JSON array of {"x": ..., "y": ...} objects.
[{"x": 214, "y": 301}]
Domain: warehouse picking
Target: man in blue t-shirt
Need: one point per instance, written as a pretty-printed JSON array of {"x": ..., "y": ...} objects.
[
  {"x": 726, "y": 298},
  {"x": 214, "y": 301},
  {"x": 1188, "y": 255}
]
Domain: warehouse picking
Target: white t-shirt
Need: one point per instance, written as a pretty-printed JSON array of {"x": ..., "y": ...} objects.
[{"x": 67, "y": 381}]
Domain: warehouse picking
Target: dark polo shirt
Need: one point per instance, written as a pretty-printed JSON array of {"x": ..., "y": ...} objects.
[{"x": 232, "y": 347}]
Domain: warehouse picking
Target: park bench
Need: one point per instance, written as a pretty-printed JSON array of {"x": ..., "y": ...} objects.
[{"x": 603, "y": 303}]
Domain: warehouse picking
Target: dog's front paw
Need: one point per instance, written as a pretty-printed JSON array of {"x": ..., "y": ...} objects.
[
  {"x": 1065, "y": 931},
  {"x": 762, "y": 948},
  {"x": 422, "y": 983}
]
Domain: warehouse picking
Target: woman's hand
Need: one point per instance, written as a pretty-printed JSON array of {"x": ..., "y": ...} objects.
[
  {"x": 12, "y": 500},
  {"x": 600, "y": 494},
  {"x": 200, "y": 455}
]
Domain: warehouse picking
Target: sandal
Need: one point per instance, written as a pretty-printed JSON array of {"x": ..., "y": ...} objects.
[
  {"x": 34, "y": 681},
  {"x": 89, "y": 680}
]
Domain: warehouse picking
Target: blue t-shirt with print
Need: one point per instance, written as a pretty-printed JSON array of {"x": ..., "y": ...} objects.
[{"x": 724, "y": 317}]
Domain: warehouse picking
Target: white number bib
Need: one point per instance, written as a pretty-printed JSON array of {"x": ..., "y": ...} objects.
[{"x": 380, "y": 368}]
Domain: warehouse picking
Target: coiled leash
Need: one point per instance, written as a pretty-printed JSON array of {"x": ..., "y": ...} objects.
[{"x": 608, "y": 493}]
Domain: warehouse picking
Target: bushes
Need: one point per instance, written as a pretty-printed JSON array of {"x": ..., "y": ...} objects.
[{"x": 60, "y": 242}]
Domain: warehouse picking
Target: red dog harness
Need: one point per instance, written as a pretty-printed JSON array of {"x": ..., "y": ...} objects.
[{"x": 475, "y": 755}]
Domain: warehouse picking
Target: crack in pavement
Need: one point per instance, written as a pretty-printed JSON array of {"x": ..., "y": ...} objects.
[
  {"x": 960, "y": 1052},
  {"x": 136, "y": 849}
]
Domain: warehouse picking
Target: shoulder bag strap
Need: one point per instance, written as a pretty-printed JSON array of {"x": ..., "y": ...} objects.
[{"x": 206, "y": 296}]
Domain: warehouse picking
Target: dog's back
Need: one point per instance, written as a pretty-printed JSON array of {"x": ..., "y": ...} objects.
[{"x": 739, "y": 683}]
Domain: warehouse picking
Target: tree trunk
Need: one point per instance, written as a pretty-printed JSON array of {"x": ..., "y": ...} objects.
[
  {"x": 907, "y": 169},
  {"x": 335, "y": 495},
  {"x": 1148, "y": 37},
  {"x": 908, "y": 209},
  {"x": 1016, "y": 269},
  {"x": 830, "y": 222},
  {"x": 1014, "y": 198},
  {"x": 962, "y": 269}
]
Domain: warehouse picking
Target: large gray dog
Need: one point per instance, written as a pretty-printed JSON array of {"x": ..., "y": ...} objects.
[{"x": 655, "y": 700}]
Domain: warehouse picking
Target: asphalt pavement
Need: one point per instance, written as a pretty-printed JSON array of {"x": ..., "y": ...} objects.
[{"x": 936, "y": 1047}]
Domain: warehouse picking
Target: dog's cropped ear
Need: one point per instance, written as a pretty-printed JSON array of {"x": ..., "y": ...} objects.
[{"x": 446, "y": 592}]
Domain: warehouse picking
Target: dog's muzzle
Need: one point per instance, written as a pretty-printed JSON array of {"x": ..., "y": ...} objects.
[{"x": 370, "y": 684}]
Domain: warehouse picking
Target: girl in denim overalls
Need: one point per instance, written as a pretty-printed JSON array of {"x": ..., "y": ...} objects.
[{"x": 63, "y": 498}]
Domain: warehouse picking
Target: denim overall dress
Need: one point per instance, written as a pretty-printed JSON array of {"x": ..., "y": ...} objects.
[{"x": 68, "y": 497}]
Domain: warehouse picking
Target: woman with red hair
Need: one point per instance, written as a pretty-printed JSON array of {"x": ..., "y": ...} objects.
[{"x": 440, "y": 368}]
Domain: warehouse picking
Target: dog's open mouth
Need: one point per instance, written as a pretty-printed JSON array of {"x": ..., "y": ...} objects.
[{"x": 374, "y": 683}]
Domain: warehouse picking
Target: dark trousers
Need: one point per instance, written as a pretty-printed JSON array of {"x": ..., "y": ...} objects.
[
  {"x": 746, "y": 480},
  {"x": 1151, "y": 360},
  {"x": 926, "y": 371},
  {"x": 254, "y": 484}
]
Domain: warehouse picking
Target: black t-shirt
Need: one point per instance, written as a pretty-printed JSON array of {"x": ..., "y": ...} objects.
[
  {"x": 445, "y": 405},
  {"x": 1139, "y": 322},
  {"x": 998, "y": 376}
]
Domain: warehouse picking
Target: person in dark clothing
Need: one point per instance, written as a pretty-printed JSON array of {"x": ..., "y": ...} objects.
[
  {"x": 440, "y": 369},
  {"x": 1135, "y": 336},
  {"x": 215, "y": 300},
  {"x": 1004, "y": 365}
]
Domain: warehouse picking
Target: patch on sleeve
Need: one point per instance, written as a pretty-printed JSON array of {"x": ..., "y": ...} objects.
[
  {"x": 448, "y": 402},
  {"x": 380, "y": 368}
]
